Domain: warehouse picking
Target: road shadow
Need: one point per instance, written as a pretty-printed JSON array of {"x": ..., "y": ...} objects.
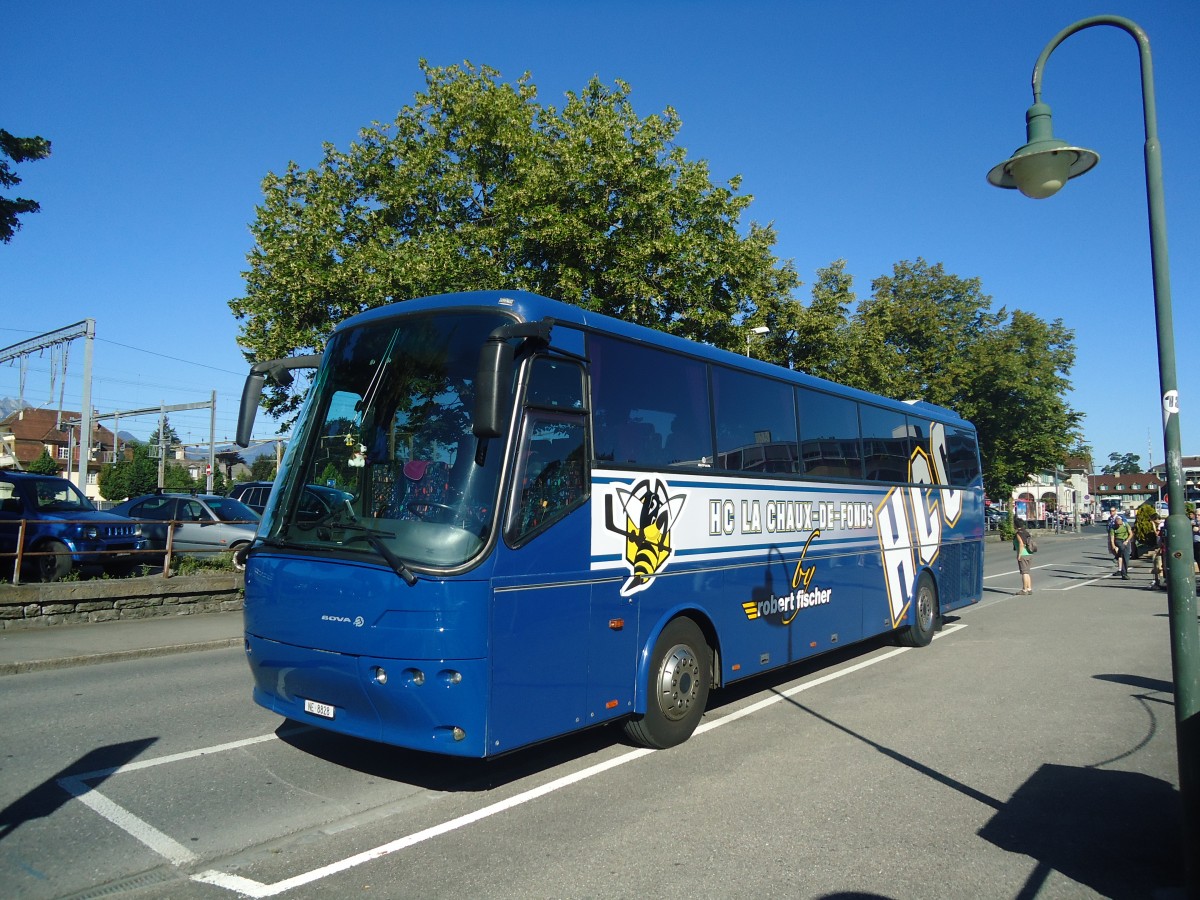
[
  {"x": 48, "y": 797},
  {"x": 445, "y": 773},
  {"x": 1115, "y": 832}
]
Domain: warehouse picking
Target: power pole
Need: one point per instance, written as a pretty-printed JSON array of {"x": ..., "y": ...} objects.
[{"x": 87, "y": 330}]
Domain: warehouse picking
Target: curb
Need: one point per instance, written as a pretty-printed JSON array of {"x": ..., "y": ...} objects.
[{"x": 91, "y": 659}]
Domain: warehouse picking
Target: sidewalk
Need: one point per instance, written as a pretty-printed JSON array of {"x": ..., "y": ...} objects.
[{"x": 63, "y": 646}]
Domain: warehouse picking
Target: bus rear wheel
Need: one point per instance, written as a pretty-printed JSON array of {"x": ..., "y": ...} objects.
[
  {"x": 926, "y": 617},
  {"x": 677, "y": 687}
]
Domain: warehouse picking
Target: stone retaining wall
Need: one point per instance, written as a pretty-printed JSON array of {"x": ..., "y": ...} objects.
[{"x": 104, "y": 600}]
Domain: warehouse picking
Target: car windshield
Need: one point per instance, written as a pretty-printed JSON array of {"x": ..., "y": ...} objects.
[
  {"x": 384, "y": 461},
  {"x": 58, "y": 495}
]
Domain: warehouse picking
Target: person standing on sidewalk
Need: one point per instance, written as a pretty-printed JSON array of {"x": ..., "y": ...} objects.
[
  {"x": 1120, "y": 543},
  {"x": 1021, "y": 544}
]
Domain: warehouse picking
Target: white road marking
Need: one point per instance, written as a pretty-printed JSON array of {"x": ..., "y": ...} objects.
[{"x": 164, "y": 846}]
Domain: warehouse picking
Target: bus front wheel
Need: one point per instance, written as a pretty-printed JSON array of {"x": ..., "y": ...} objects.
[
  {"x": 925, "y": 616},
  {"x": 677, "y": 687}
]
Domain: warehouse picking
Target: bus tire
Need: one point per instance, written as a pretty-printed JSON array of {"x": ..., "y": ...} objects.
[
  {"x": 677, "y": 687},
  {"x": 926, "y": 617}
]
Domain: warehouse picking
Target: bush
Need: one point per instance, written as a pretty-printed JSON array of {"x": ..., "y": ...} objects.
[
  {"x": 1007, "y": 531},
  {"x": 195, "y": 565},
  {"x": 1145, "y": 528}
]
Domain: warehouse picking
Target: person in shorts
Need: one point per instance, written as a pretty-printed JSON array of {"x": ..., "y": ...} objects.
[
  {"x": 1120, "y": 543},
  {"x": 1021, "y": 540}
]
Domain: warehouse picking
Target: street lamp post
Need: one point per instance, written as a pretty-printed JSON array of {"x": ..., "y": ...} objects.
[
  {"x": 761, "y": 329},
  {"x": 1038, "y": 170}
]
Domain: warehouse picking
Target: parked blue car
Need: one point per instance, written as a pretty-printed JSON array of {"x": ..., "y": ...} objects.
[{"x": 63, "y": 529}]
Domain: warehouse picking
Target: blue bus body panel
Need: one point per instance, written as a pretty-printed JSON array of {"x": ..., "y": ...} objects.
[{"x": 322, "y": 629}]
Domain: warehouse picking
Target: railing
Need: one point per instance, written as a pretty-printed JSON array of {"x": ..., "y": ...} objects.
[{"x": 147, "y": 555}]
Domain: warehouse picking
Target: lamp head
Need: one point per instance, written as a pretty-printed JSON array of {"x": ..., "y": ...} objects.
[{"x": 1045, "y": 163}]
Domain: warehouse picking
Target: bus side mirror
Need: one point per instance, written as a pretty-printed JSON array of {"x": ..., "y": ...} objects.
[
  {"x": 492, "y": 388},
  {"x": 280, "y": 372},
  {"x": 493, "y": 379}
]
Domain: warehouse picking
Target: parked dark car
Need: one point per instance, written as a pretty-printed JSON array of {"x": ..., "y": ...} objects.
[
  {"x": 204, "y": 523},
  {"x": 317, "y": 502},
  {"x": 63, "y": 528},
  {"x": 253, "y": 493}
]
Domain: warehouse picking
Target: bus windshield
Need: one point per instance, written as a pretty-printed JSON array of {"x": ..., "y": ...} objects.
[{"x": 385, "y": 462}]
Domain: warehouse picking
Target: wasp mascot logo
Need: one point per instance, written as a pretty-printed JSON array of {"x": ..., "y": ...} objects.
[{"x": 649, "y": 514}]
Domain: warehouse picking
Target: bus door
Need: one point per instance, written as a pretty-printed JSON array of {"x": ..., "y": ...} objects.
[{"x": 541, "y": 620}]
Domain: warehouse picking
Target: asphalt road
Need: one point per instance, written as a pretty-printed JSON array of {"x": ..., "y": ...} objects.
[{"x": 1028, "y": 752}]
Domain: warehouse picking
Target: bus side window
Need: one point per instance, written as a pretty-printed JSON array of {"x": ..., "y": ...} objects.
[
  {"x": 829, "y": 435},
  {"x": 550, "y": 479},
  {"x": 651, "y": 407},
  {"x": 756, "y": 423}
]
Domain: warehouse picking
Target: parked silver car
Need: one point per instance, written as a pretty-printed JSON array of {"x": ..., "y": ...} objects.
[{"x": 204, "y": 524}]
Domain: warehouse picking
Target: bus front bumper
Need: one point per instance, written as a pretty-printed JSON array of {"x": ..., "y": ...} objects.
[{"x": 433, "y": 705}]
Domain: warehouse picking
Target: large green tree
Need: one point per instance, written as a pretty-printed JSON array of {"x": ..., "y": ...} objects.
[
  {"x": 929, "y": 335},
  {"x": 478, "y": 185},
  {"x": 19, "y": 150}
]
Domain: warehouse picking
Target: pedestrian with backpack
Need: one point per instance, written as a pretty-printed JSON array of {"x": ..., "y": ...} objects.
[
  {"x": 1024, "y": 546},
  {"x": 1120, "y": 544}
]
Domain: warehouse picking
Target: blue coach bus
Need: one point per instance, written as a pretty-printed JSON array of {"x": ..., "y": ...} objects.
[{"x": 556, "y": 519}]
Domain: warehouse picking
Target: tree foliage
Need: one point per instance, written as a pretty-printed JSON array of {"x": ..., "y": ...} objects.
[
  {"x": 44, "y": 464},
  {"x": 1122, "y": 464},
  {"x": 478, "y": 185},
  {"x": 263, "y": 468},
  {"x": 929, "y": 335},
  {"x": 139, "y": 475},
  {"x": 170, "y": 436},
  {"x": 19, "y": 150},
  {"x": 129, "y": 477}
]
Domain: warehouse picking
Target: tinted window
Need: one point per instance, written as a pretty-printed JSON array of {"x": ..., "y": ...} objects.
[
  {"x": 756, "y": 423},
  {"x": 153, "y": 508},
  {"x": 885, "y": 444},
  {"x": 193, "y": 511},
  {"x": 650, "y": 407},
  {"x": 551, "y": 474},
  {"x": 555, "y": 384},
  {"x": 918, "y": 435},
  {"x": 962, "y": 456},
  {"x": 828, "y": 435}
]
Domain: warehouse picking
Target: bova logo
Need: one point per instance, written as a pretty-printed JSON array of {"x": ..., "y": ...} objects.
[
  {"x": 649, "y": 512},
  {"x": 910, "y": 521}
]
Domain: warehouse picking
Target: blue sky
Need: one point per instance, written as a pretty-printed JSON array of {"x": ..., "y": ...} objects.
[{"x": 864, "y": 131}]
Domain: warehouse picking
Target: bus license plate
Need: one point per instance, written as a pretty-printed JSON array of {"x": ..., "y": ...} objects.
[{"x": 324, "y": 710}]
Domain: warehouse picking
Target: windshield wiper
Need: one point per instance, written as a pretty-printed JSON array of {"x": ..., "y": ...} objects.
[{"x": 398, "y": 565}]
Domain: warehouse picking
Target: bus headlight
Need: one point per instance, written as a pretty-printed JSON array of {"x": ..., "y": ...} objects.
[{"x": 380, "y": 674}]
